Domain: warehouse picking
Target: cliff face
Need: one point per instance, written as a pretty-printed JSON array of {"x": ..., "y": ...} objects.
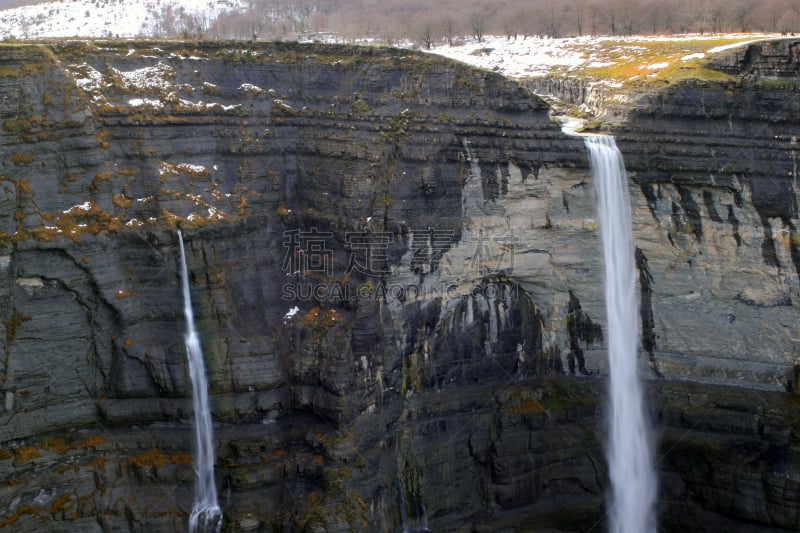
[
  {"x": 396, "y": 269},
  {"x": 717, "y": 221}
]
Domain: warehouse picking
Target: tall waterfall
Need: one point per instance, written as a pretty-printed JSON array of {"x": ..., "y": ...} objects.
[
  {"x": 206, "y": 516},
  {"x": 630, "y": 462}
]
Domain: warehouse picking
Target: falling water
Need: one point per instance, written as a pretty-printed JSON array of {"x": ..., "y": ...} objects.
[
  {"x": 633, "y": 480},
  {"x": 401, "y": 501},
  {"x": 206, "y": 515},
  {"x": 424, "y": 510}
]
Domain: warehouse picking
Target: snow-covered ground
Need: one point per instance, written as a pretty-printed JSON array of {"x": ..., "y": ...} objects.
[
  {"x": 102, "y": 18},
  {"x": 517, "y": 58},
  {"x": 534, "y": 57}
]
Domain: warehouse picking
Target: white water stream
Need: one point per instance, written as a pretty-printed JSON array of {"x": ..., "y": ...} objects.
[
  {"x": 206, "y": 516},
  {"x": 633, "y": 479}
]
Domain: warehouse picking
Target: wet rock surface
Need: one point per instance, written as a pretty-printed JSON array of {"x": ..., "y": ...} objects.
[{"x": 396, "y": 273}]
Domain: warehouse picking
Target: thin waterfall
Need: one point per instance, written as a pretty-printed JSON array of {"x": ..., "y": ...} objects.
[
  {"x": 633, "y": 479},
  {"x": 424, "y": 510},
  {"x": 206, "y": 516},
  {"x": 401, "y": 502}
]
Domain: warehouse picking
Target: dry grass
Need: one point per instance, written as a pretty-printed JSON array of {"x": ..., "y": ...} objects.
[{"x": 642, "y": 62}]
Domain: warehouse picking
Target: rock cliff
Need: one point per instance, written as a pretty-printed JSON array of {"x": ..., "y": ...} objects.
[
  {"x": 718, "y": 213},
  {"x": 396, "y": 272}
]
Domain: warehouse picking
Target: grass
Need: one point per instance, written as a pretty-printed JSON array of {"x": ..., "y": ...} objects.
[{"x": 632, "y": 62}]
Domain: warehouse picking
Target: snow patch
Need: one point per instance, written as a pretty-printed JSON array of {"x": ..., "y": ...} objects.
[
  {"x": 698, "y": 55},
  {"x": 655, "y": 66},
  {"x": 249, "y": 88},
  {"x": 85, "y": 206},
  {"x": 86, "y": 77},
  {"x": 156, "y": 77},
  {"x": 718, "y": 49},
  {"x": 174, "y": 169},
  {"x": 141, "y": 102}
]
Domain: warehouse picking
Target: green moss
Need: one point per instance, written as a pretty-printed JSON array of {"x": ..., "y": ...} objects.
[
  {"x": 558, "y": 397},
  {"x": 785, "y": 85},
  {"x": 354, "y": 511},
  {"x": 335, "y": 478},
  {"x": 13, "y": 324},
  {"x": 315, "y": 516},
  {"x": 399, "y": 127},
  {"x": 29, "y": 69},
  {"x": 591, "y": 125},
  {"x": 360, "y": 108},
  {"x": 210, "y": 88},
  {"x": 19, "y": 125}
]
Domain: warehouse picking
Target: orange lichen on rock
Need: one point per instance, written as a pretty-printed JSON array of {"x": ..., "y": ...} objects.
[
  {"x": 25, "y": 454},
  {"x": 527, "y": 406},
  {"x": 151, "y": 457},
  {"x": 92, "y": 442},
  {"x": 156, "y": 458}
]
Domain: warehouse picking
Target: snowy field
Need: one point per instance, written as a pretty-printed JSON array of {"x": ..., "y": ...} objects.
[
  {"x": 535, "y": 57},
  {"x": 101, "y": 18},
  {"x": 593, "y": 57}
]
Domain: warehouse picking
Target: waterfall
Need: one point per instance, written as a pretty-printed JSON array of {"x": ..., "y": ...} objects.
[
  {"x": 401, "y": 502},
  {"x": 206, "y": 516},
  {"x": 630, "y": 463},
  {"x": 424, "y": 511}
]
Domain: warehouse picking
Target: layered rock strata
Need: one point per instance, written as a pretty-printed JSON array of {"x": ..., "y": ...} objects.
[
  {"x": 396, "y": 272},
  {"x": 717, "y": 224}
]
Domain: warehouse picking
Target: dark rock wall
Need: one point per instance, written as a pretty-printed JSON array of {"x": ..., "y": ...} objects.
[
  {"x": 395, "y": 268},
  {"x": 259, "y": 153},
  {"x": 771, "y": 60},
  {"x": 717, "y": 218}
]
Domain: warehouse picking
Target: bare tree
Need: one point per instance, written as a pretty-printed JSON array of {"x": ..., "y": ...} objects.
[
  {"x": 627, "y": 17},
  {"x": 449, "y": 29},
  {"x": 788, "y": 20},
  {"x": 715, "y": 16},
  {"x": 742, "y": 18},
  {"x": 397, "y": 21},
  {"x": 700, "y": 14},
  {"x": 553, "y": 27},
  {"x": 427, "y": 36},
  {"x": 478, "y": 22},
  {"x": 524, "y": 23},
  {"x": 595, "y": 19},
  {"x": 511, "y": 27}
]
